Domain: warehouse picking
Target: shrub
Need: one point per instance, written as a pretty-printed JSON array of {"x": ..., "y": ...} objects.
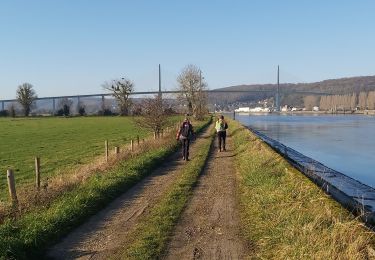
[
  {"x": 81, "y": 111},
  {"x": 4, "y": 113}
]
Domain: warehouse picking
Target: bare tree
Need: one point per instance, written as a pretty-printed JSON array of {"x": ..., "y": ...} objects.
[
  {"x": 153, "y": 116},
  {"x": 26, "y": 97},
  {"x": 353, "y": 101},
  {"x": 81, "y": 108},
  {"x": 64, "y": 105},
  {"x": 371, "y": 100},
  {"x": 121, "y": 89},
  {"x": 362, "y": 100},
  {"x": 192, "y": 88},
  {"x": 310, "y": 102}
]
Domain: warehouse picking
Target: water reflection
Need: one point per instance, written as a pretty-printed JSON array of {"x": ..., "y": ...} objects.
[{"x": 342, "y": 142}]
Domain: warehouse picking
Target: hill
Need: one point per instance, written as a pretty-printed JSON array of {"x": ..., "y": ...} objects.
[{"x": 342, "y": 86}]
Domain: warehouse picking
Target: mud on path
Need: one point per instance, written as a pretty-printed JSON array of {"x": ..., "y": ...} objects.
[
  {"x": 209, "y": 226},
  {"x": 105, "y": 233}
]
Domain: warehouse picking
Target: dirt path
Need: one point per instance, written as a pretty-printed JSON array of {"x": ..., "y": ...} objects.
[
  {"x": 106, "y": 232},
  {"x": 209, "y": 226}
]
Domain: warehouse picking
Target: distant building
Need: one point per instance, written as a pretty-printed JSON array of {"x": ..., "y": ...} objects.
[
  {"x": 285, "y": 108},
  {"x": 315, "y": 108},
  {"x": 253, "y": 110},
  {"x": 243, "y": 109}
]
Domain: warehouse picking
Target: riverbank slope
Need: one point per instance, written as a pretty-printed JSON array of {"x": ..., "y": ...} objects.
[{"x": 284, "y": 215}]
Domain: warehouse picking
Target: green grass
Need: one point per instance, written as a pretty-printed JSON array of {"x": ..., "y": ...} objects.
[
  {"x": 285, "y": 216},
  {"x": 29, "y": 235},
  {"x": 149, "y": 239},
  {"x": 62, "y": 143}
]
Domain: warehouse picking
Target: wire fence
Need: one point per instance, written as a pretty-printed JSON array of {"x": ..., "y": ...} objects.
[{"x": 352, "y": 194}]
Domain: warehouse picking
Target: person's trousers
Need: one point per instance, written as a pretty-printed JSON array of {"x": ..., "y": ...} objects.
[
  {"x": 185, "y": 148},
  {"x": 221, "y": 136}
]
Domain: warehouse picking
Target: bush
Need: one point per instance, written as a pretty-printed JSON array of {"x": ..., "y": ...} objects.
[
  {"x": 106, "y": 112},
  {"x": 4, "y": 113},
  {"x": 59, "y": 112},
  {"x": 81, "y": 111},
  {"x": 64, "y": 111},
  {"x": 12, "y": 111}
]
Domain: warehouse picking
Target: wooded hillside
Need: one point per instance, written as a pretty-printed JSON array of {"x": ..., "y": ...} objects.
[{"x": 340, "y": 87}]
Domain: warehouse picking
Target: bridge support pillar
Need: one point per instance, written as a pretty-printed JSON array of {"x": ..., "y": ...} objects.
[
  {"x": 78, "y": 104},
  {"x": 2, "y": 105},
  {"x": 53, "y": 106},
  {"x": 277, "y": 103},
  {"x": 103, "y": 103}
]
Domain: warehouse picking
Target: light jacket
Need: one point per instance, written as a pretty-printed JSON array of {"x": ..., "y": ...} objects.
[{"x": 220, "y": 125}]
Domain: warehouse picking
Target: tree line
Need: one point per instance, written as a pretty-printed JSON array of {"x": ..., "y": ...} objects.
[{"x": 362, "y": 101}]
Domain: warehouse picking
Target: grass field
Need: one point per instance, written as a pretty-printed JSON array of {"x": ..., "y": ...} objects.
[{"x": 62, "y": 143}]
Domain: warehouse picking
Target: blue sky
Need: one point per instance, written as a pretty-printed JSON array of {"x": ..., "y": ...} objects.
[{"x": 73, "y": 46}]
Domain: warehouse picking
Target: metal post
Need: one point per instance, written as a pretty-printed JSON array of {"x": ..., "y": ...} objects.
[{"x": 234, "y": 115}]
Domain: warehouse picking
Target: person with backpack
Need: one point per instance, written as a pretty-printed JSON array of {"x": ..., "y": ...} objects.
[
  {"x": 221, "y": 128},
  {"x": 184, "y": 134}
]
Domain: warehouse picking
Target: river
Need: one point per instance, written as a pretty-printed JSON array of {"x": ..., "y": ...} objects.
[{"x": 345, "y": 143}]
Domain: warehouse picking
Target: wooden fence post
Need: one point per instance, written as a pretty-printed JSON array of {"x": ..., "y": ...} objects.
[
  {"x": 131, "y": 145},
  {"x": 138, "y": 140},
  {"x": 106, "y": 150},
  {"x": 12, "y": 187},
  {"x": 37, "y": 172},
  {"x": 117, "y": 150},
  {"x": 154, "y": 135}
]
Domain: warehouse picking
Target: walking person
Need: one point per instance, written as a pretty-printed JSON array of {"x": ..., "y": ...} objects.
[
  {"x": 184, "y": 135},
  {"x": 221, "y": 128}
]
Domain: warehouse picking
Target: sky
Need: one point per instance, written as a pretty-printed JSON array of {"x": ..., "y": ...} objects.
[{"x": 71, "y": 47}]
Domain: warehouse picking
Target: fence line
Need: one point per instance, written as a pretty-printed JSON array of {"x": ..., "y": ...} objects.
[{"x": 107, "y": 159}]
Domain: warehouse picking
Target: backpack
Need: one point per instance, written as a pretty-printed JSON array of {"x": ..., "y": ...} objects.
[{"x": 185, "y": 130}]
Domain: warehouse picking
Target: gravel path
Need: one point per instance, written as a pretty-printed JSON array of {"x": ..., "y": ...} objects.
[
  {"x": 105, "y": 233},
  {"x": 209, "y": 226}
]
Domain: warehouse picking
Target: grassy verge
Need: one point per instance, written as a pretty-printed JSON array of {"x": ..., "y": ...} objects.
[
  {"x": 285, "y": 216},
  {"x": 149, "y": 239},
  {"x": 36, "y": 230}
]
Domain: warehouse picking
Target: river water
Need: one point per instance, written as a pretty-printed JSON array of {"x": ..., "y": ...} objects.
[{"x": 345, "y": 143}]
